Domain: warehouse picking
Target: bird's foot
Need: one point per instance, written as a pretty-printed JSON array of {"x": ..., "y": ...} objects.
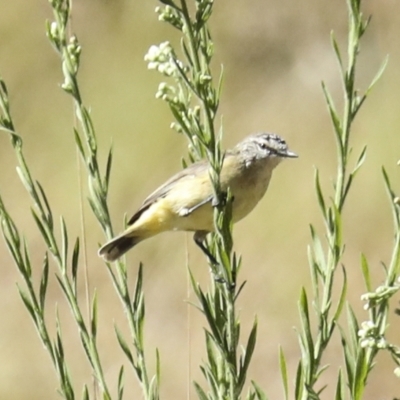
[
  {"x": 215, "y": 266},
  {"x": 207, "y": 252},
  {"x": 221, "y": 201}
]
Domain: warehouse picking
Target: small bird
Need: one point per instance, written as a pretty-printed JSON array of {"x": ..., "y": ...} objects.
[{"x": 185, "y": 202}]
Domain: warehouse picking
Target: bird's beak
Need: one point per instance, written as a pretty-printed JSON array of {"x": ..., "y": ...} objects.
[{"x": 290, "y": 154}]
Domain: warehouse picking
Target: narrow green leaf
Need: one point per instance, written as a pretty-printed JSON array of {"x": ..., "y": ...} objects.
[
  {"x": 360, "y": 161},
  {"x": 8, "y": 227},
  {"x": 121, "y": 383},
  {"x": 75, "y": 261},
  {"x": 195, "y": 286},
  {"x": 260, "y": 393},
  {"x": 337, "y": 50},
  {"x": 85, "y": 394},
  {"x": 303, "y": 346},
  {"x": 353, "y": 327},
  {"x": 360, "y": 375},
  {"x": 124, "y": 346},
  {"x": 318, "y": 394},
  {"x": 211, "y": 356},
  {"x": 138, "y": 293},
  {"x": 108, "y": 167},
  {"x": 177, "y": 115},
  {"x": 251, "y": 343},
  {"x": 200, "y": 392},
  {"x": 96, "y": 211},
  {"x": 62, "y": 285},
  {"x": 207, "y": 308},
  {"x": 93, "y": 324},
  {"x": 42, "y": 229},
  {"x": 365, "y": 272},
  {"x": 212, "y": 380},
  {"x": 171, "y": 3},
  {"x": 392, "y": 197},
  {"x": 13, "y": 231},
  {"x": 284, "y": 375},
  {"x": 78, "y": 142},
  {"x": 64, "y": 243},
  {"x": 338, "y": 231},
  {"x": 357, "y": 102},
  {"x": 350, "y": 178},
  {"x": 87, "y": 121},
  {"x": 348, "y": 358},
  {"x": 190, "y": 86},
  {"x": 240, "y": 290},
  {"x": 3, "y": 88},
  {"x": 317, "y": 249},
  {"x": 184, "y": 163},
  {"x": 321, "y": 200},
  {"x": 139, "y": 319},
  {"x": 251, "y": 395},
  {"x": 186, "y": 52},
  {"x": 49, "y": 216},
  {"x": 158, "y": 367},
  {"x": 342, "y": 298},
  {"x": 378, "y": 75},
  {"x": 27, "y": 261},
  {"x": 58, "y": 344},
  {"x": 333, "y": 113},
  {"x": 26, "y": 181},
  {"x": 347, "y": 187},
  {"x": 153, "y": 388},
  {"x": 28, "y": 304},
  {"x": 315, "y": 271},
  {"x": 16, "y": 255},
  {"x": 305, "y": 323},
  {"x": 387, "y": 183},
  {"x": 220, "y": 83},
  {"x": 43, "y": 282}
]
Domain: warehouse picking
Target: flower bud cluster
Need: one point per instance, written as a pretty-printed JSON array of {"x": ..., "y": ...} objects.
[
  {"x": 382, "y": 293},
  {"x": 370, "y": 337},
  {"x": 162, "y": 59},
  {"x": 170, "y": 15},
  {"x": 70, "y": 64}
]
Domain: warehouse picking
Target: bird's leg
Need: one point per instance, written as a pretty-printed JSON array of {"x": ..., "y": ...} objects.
[
  {"x": 215, "y": 202},
  {"x": 199, "y": 238},
  {"x": 221, "y": 201}
]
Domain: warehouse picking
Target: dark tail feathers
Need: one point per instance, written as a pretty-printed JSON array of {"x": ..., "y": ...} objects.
[{"x": 117, "y": 247}]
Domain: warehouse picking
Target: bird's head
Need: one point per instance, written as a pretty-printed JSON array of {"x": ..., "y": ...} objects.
[{"x": 264, "y": 146}]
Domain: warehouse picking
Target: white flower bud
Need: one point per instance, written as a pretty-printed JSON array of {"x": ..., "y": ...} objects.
[{"x": 54, "y": 29}]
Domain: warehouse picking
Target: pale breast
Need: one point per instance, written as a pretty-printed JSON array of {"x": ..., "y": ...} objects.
[{"x": 249, "y": 189}]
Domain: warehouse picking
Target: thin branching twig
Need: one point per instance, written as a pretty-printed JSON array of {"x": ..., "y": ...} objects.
[{"x": 193, "y": 99}]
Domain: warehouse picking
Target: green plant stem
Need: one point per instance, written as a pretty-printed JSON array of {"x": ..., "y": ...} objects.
[
  {"x": 88, "y": 341},
  {"x": 98, "y": 185},
  {"x": 333, "y": 214},
  {"x": 209, "y": 119},
  {"x": 219, "y": 304}
]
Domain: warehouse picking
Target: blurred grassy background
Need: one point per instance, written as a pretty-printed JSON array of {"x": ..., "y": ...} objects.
[{"x": 275, "y": 55}]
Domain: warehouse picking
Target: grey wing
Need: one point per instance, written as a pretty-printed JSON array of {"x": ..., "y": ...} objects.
[{"x": 194, "y": 169}]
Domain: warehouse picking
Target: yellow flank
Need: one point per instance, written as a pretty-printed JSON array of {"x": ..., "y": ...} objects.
[
  {"x": 166, "y": 213},
  {"x": 172, "y": 212},
  {"x": 156, "y": 219}
]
